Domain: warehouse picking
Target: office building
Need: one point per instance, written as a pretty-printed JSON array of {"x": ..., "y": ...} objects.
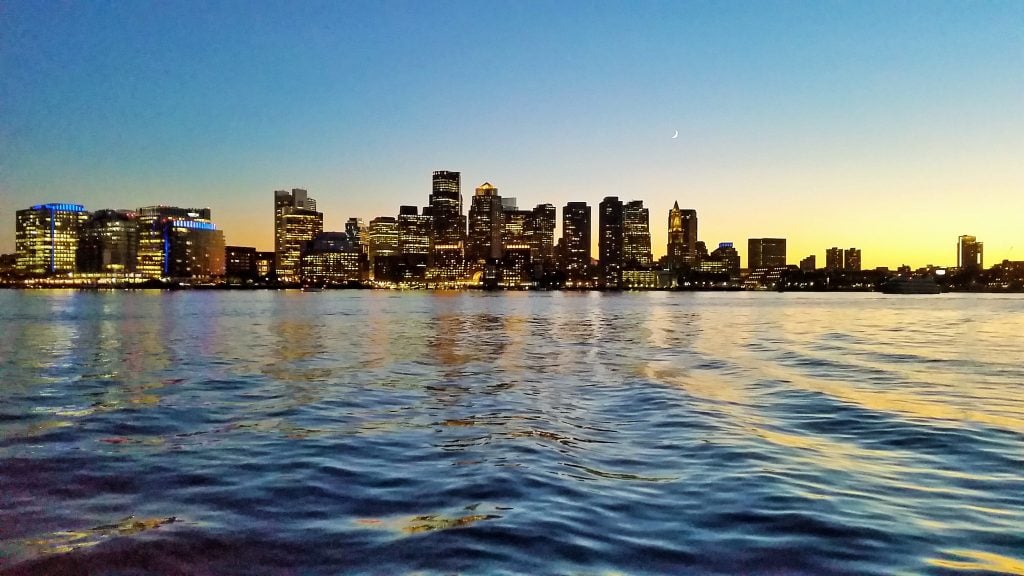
[
  {"x": 108, "y": 243},
  {"x": 358, "y": 233},
  {"x": 610, "y": 241},
  {"x": 809, "y": 264},
  {"x": 576, "y": 242},
  {"x": 682, "y": 237},
  {"x": 383, "y": 245},
  {"x": 296, "y": 222},
  {"x": 266, "y": 265},
  {"x": 851, "y": 259},
  {"x": 636, "y": 238},
  {"x": 970, "y": 254},
  {"x": 179, "y": 243},
  {"x": 540, "y": 234},
  {"x": 334, "y": 258},
  {"x": 46, "y": 238},
  {"x": 486, "y": 225},
  {"x": 729, "y": 257},
  {"x": 766, "y": 253},
  {"x": 240, "y": 264},
  {"x": 447, "y": 253}
]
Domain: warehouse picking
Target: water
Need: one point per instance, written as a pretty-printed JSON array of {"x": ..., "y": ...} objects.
[{"x": 546, "y": 433}]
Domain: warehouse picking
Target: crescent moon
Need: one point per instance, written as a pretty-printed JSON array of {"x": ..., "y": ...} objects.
[{"x": 676, "y": 135}]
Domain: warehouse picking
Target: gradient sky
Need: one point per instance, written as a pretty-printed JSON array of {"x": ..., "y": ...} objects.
[{"x": 892, "y": 126}]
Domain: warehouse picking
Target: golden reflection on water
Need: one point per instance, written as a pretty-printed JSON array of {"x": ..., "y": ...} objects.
[{"x": 977, "y": 560}]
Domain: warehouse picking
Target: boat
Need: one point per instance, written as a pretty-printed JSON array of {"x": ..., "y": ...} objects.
[
  {"x": 312, "y": 289},
  {"x": 912, "y": 285}
]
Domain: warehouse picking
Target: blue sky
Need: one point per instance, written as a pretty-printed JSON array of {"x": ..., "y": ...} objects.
[{"x": 892, "y": 126}]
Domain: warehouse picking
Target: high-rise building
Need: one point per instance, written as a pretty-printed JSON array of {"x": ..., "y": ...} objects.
[
  {"x": 383, "y": 240},
  {"x": 766, "y": 253},
  {"x": 636, "y": 235},
  {"x": 809, "y": 264},
  {"x": 296, "y": 222},
  {"x": 851, "y": 259},
  {"x": 413, "y": 231},
  {"x": 486, "y": 223},
  {"x": 729, "y": 257},
  {"x": 358, "y": 233},
  {"x": 970, "y": 254},
  {"x": 834, "y": 258},
  {"x": 682, "y": 237},
  {"x": 181, "y": 243},
  {"x": 266, "y": 264},
  {"x": 576, "y": 241},
  {"x": 540, "y": 233},
  {"x": 109, "y": 243},
  {"x": 447, "y": 253},
  {"x": 46, "y": 238},
  {"x": 610, "y": 241}
]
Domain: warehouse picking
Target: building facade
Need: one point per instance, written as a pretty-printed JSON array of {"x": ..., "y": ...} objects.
[
  {"x": 682, "y": 237},
  {"x": 636, "y": 235},
  {"x": 486, "y": 225},
  {"x": 766, "y": 253},
  {"x": 610, "y": 241},
  {"x": 109, "y": 243},
  {"x": 296, "y": 222},
  {"x": 970, "y": 254},
  {"x": 46, "y": 238},
  {"x": 575, "y": 255}
]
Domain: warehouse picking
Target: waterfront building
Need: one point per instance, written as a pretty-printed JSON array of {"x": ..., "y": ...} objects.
[
  {"x": 970, "y": 254},
  {"x": 851, "y": 259},
  {"x": 296, "y": 222},
  {"x": 636, "y": 235},
  {"x": 179, "y": 243},
  {"x": 610, "y": 241},
  {"x": 334, "y": 258},
  {"x": 834, "y": 258},
  {"x": 766, "y": 253},
  {"x": 240, "y": 263},
  {"x": 640, "y": 279},
  {"x": 8, "y": 264},
  {"x": 729, "y": 257},
  {"x": 447, "y": 253},
  {"x": 809, "y": 264},
  {"x": 486, "y": 225},
  {"x": 682, "y": 237},
  {"x": 46, "y": 238},
  {"x": 576, "y": 242},
  {"x": 108, "y": 243},
  {"x": 516, "y": 255}
]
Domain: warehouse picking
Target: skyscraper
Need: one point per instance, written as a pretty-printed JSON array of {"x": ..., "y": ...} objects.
[
  {"x": 384, "y": 240},
  {"x": 682, "y": 237},
  {"x": 610, "y": 241},
  {"x": 358, "y": 234},
  {"x": 851, "y": 259},
  {"x": 834, "y": 258},
  {"x": 636, "y": 238},
  {"x": 970, "y": 254},
  {"x": 576, "y": 241},
  {"x": 766, "y": 253},
  {"x": 485, "y": 225},
  {"x": 540, "y": 233},
  {"x": 46, "y": 238},
  {"x": 449, "y": 228},
  {"x": 109, "y": 243},
  {"x": 296, "y": 222}
]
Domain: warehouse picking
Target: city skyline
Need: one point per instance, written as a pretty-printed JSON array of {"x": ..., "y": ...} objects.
[{"x": 888, "y": 128}]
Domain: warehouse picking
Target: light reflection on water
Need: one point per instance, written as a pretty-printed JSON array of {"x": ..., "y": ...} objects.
[{"x": 382, "y": 432}]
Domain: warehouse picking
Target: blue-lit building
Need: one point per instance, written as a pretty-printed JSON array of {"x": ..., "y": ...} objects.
[
  {"x": 46, "y": 238},
  {"x": 179, "y": 243},
  {"x": 108, "y": 243}
]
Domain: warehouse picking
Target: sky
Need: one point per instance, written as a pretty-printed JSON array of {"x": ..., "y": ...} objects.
[{"x": 891, "y": 126}]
